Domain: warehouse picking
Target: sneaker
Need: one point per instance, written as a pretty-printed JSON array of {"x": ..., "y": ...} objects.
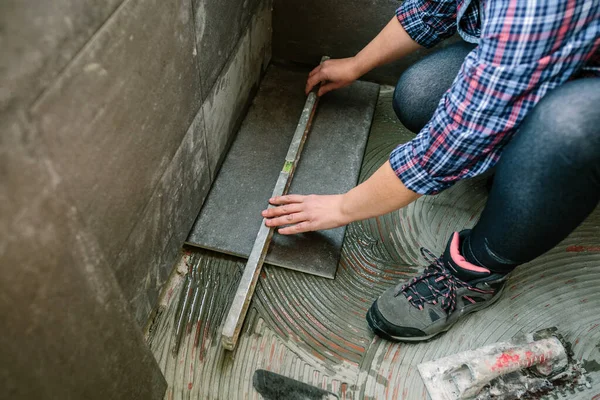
[{"x": 432, "y": 302}]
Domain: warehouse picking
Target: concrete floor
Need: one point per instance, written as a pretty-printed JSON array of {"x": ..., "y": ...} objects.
[{"x": 313, "y": 329}]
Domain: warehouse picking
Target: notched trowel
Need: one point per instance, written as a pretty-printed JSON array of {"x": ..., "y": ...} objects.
[
  {"x": 530, "y": 363},
  {"x": 273, "y": 386}
]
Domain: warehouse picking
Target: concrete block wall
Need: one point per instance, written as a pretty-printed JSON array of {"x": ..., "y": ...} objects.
[
  {"x": 305, "y": 30},
  {"x": 114, "y": 117}
]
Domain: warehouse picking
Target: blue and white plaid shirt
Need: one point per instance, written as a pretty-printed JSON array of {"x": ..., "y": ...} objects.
[{"x": 525, "y": 49}]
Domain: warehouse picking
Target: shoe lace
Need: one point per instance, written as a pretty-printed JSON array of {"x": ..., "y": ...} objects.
[{"x": 439, "y": 280}]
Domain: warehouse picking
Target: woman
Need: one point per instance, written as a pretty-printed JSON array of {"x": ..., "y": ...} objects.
[{"x": 521, "y": 94}]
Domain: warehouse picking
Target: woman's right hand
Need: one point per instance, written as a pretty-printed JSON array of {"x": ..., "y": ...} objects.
[{"x": 333, "y": 74}]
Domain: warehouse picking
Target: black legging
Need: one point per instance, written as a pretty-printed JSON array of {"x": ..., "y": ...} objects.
[{"x": 548, "y": 178}]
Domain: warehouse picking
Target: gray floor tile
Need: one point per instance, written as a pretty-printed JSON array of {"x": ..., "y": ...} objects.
[{"x": 330, "y": 163}]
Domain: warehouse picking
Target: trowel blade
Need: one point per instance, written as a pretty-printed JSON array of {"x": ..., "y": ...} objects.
[{"x": 273, "y": 386}]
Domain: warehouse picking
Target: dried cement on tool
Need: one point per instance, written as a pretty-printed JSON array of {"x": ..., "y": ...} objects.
[{"x": 528, "y": 365}]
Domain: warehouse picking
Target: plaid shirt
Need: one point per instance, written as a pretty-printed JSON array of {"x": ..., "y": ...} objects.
[{"x": 525, "y": 49}]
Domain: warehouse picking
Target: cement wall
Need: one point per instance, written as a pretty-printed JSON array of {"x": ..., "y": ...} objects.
[
  {"x": 114, "y": 117},
  {"x": 305, "y": 30}
]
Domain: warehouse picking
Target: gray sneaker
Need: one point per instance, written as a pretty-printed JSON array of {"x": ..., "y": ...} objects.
[{"x": 432, "y": 302}]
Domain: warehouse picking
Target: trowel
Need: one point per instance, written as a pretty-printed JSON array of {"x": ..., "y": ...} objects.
[
  {"x": 530, "y": 363},
  {"x": 274, "y": 386}
]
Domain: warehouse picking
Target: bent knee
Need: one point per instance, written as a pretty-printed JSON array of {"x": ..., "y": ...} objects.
[
  {"x": 423, "y": 84},
  {"x": 568, "y": 120},
  {"x": 414, "y": 103}
]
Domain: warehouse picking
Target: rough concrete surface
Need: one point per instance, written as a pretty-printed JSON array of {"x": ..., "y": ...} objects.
[
  {"x": 145, "y": 262},
  {"x": 103, "y": 168},
  {"x": 304, "y": 30},
  {"x": 163, "y": 225},
  {"x": 225, "y": 105},
  {"x": 261, "y": 36},
  {"x": 314, "y": 330},
  {"x": 329, "y": 163},
  {"x": 116, "y": 116},
  {"x": 113, "y": 89},
  {"x": 38, "y": 39},
  {"x": 66, "y": 330},
  {"x": 219, "y": 25}
]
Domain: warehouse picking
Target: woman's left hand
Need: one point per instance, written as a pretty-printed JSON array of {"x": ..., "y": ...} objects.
[{"x": 305, "y": 213}]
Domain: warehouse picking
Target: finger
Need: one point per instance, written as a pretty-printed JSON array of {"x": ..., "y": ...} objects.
[
  {"x": 282, "y": 210},
  {"x": 286, "y": 220},
  {"x": 314, "y": 80},
  {"x": 315, "y": 70},
  {"x": 328, "y": 88},
  {"x": 287, "y": 199},
  {"x": 305, "y": 226}
]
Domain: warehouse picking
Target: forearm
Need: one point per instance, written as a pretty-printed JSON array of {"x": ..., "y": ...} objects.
[
  {"x": 382, "y": 193},
  {"x": 390, "y": 44}
]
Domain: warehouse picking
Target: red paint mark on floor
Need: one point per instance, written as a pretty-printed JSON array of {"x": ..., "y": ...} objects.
[
  {"x": 190, "y": 385},
  {"x": 515, "y": 296},
  {"x": 583, "y": 249}
]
